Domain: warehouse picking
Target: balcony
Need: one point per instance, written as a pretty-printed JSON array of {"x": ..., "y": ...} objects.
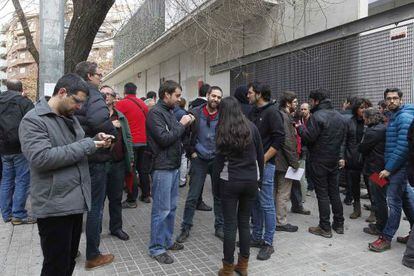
[{"x": 3, "y": 64}]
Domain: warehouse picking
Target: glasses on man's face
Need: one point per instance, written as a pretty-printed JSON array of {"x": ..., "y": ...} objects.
[{"x": 388, "y": 99}]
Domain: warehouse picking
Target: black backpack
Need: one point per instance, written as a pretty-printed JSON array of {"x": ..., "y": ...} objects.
[{"x": 10, "y": 116}]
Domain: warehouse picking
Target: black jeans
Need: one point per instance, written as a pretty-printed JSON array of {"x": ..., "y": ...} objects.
[
  {"x": 143, "y": 166},
  {"x": 114, "y": 191},
  {"x": 59, "y": 239},
  {"x": 379, "y": 204},
  {"x": 296, "y": 195},
  {"x": 237, "y": 201},
  {"x": 325, "y": 178}
]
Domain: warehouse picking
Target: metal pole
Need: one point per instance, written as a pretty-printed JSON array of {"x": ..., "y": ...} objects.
[{"x": 51, "y": 59}]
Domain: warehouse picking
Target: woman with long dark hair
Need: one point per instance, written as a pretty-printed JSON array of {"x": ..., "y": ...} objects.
[{"x": 239, "y": 167}]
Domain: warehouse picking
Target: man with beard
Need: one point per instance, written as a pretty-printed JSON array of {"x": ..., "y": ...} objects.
[
  {"x": 201, "y": 148},
  {"x": 53, "y": 142},
  {"x": 400, "y": 194},
  {"x": 323, "y": 135}
]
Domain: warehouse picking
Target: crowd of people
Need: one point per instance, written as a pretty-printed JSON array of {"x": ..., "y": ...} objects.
[{"x": 85, "y": 144}]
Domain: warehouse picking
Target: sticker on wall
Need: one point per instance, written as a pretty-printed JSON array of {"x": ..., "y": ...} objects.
[{"x": 398, "y": 33}]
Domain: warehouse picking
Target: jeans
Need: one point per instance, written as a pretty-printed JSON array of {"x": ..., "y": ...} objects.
[
  {"x": 143, "y": 167},
  {"x": 264, "y": 208},
  {"x": 183, "y": 169},
  {"x": 400, "y": 195},
  {"x": 296, "y": 195},
  {"x": 15, "y": 184},
  {"x": 199, "y": 170},
  {"x": 325, "y": 178},
  {"x": 114, "y": 192},
  {"x": 379, "y": 200},
  {"x": 164, "y": 205},
  {"x": 237, "y": 202},
  {"x": 59, "y": 239},
  {"x": 94, "y": 217}
]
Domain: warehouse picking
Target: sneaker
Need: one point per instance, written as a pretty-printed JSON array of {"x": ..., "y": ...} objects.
[
  {"x": 203, "y": 207},
  {"x": 371, "y": 230},
  {"x": 380, "y": 245},
  {"x": 129, "y": 204},
  {"x": 176, "y": 246},
  {"x": 320, "y": 232},
  {"x": 338, "y": 229},
  {"x": 145, "y": 199},
  {"x": 265, "y": 252},
  {"x": 301, "y": 211},
  {"x": 99, "y": 261},
  {"x": 120, "y": 234},
  {"x": 164, "y": 258},
  {"x": 348, "y": 201},
  {"x": 253, "y": 243},
  {"x": 287, "y": 228},
  {"x": 219, "y": 234},
  {"x": 18, "y": 221},
  {"x": 403, "y": 240},
  {"x": 183, "y": 236}
]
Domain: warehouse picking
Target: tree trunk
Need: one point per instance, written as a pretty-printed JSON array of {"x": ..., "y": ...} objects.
[{"x": 88, "y": 16}]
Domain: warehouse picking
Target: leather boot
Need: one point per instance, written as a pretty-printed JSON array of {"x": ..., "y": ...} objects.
[
  {"x": 371, "y": 217},
  {"x": 241, "y": 266},
  {"x": 357, "y": 211},
  {"x": 227, "y": 269}
]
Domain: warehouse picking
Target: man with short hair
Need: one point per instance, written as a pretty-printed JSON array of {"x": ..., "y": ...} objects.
[
  {"x": 201, "y": 148},
  {"x": 323, "y": 136},
  {"x": 136, "y": 112},
  {"x": 164, "y": 142},
  {"x": 269, "y": 122},
  {"x": 202, "y": 94},
  {"x": 15, "y": 180},
  {"x": 400, "y": 195},
  {"x": 122, "y": 159},
  {"x": 305, "y": 116},
  {"x": 151, "y": 99},
  {"x": 55, "y": 145},
  {"x": 94, "y": 118}
]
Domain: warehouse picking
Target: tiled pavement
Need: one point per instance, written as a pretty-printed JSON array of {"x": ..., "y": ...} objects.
[{"x": 296, "y": 253}]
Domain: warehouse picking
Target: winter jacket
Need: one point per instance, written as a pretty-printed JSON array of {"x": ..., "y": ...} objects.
[
  {"x": 269, "y": 122},
  {"x": 246, "y": 166},
  {"x": 94, "y": 118},
  {"x": 396, "y": 143},
  {"x": 164, "y": 137},
  {"x": 354, "y": 128},
  {"x": 288, "y": 155},
  {"x": 57, "y": 153},
  {"x": 324, "y": 134},
  {"x": 127, "y": 141},
  {"x": 410, "y": 163},
  {"x": 136, "y": 111},
  {"x": 372, "y": 149},
  {"x": 179, "y": 112},
  {"x": 197, "y": 102},
  {"x": 241, "y": 95},
  {"x": 13, "y": 107}
]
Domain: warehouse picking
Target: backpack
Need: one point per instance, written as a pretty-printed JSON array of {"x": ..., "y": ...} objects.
[{"x": 10, "y": 117}]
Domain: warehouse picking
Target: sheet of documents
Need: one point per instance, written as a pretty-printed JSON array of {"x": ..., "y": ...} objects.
[{"x": 294, "y": 174}]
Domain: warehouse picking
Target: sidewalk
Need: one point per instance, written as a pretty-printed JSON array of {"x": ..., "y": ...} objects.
[{"x": 296, "y": 253}]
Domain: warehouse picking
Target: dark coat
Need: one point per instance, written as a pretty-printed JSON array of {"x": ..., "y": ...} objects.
[
  {"x": 164, "y": 137},
  {"x": 324, "y": 134},
  {"x": 94, "y": 118},
  {"x": 372, "y": 149},
  {"x": 349, "y": 149},
  {"x": 241, "y": 95}
]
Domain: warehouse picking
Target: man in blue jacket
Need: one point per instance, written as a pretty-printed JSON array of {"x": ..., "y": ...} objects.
[{"x": 399, "y": 194}]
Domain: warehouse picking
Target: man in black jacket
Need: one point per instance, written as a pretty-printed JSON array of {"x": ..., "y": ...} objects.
[
  {"x": 94, "y": 118},
  {"x": 269, "y": 121},
  {"x": 164, "y": 140},
  {"x": 16, "y": 176},
  {"x": 323, "y": 135}
]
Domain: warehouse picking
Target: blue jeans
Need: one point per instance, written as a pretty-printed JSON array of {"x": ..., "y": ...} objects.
[
  {"x": 198, "y": 172},
  {"x": 400, "y": 195},
  {"x": 94, "y": 217},
  {"x": 164, "y": 195},
  {"x": 264, "y": 208},
  {"x": 15, "y": 185}
]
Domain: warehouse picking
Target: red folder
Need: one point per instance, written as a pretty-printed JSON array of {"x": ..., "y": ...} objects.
[{"x": 377, "y": 180}]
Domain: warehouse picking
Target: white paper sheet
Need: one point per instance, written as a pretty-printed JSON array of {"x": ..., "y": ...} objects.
[{"x": 294, "y": 174}]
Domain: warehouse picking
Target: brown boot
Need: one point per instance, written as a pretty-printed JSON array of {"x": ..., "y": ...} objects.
[
  {"x": 241, "y": 266},
  {"x": 227, "y": 269},
  {"x": 371, "y": 217},
  {"x": 357, "y": 211},
  {"x": 99, "y": 261}
]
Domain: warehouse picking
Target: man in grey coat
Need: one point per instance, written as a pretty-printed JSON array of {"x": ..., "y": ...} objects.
[{"x": 53, "y": 142}]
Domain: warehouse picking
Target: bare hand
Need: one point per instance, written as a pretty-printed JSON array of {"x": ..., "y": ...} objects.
[
  {"x": 99, "y": 144},
  {"x": 186, "y": 120},
  {"x": 194, "y": 155},
  {"x": 341, "y": 163},
  {"x": 116, "y": 123},
  {"x": 384, "y": 174}
]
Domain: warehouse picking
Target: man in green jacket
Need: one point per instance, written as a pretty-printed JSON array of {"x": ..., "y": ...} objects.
[{"x": 122, "y": 159}]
